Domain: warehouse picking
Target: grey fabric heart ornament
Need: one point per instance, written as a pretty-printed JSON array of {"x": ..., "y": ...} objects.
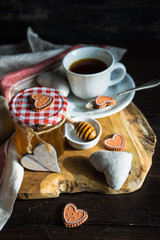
[
  {"x": 115, "y": 166},
  {"x": 41, "y": 160}
]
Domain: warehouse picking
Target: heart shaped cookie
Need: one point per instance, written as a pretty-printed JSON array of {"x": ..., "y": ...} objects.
[
  {"x": 116, "y": 143},
  {"x": 41, "y": 160},
  {"x": 115, "y": 166},
  {"x": 103, "y": 101},
  {"x": 40, "y": 102},
  {"x": 73, "y": 217}
]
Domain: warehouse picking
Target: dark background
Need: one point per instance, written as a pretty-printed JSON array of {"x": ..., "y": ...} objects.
[
  {"x": 117, "y": 22},
  {"x": 131, "y": 24},
  {"x": 134, "y": 25}
]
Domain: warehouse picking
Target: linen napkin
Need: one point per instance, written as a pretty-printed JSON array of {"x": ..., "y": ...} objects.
[{"x": 19, "y": 64}]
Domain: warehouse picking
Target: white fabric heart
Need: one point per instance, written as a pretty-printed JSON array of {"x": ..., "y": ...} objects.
[
  {"x": 54, "y": 80},
  {"x": 115, "y": 166},
  {"x": 41, "y": 160}
]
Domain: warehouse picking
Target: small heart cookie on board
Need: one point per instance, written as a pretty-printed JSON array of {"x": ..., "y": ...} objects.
[
  {"x": 116, "y": 143},
  {"x": 73, "y": 217},
  {"x": 115, "y": 166},
  {"x": 40, "y": 102},
  {"x": 103, "y": 101},
  {"x": 41, "y": 160}
]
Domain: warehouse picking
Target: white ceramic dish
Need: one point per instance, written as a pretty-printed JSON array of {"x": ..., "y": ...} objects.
[
  {"x": 75, "y": 141},
  {"x": 76, "y": 106}
]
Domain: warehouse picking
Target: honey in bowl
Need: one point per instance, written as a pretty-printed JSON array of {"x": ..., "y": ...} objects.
[{"x": 88, "y": 66}]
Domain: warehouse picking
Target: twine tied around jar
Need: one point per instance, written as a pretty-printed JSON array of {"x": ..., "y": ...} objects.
[{"x": 29, "y": 133}]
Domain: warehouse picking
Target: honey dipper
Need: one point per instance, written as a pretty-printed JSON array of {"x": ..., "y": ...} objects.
[{"x": 83, "y": 130}]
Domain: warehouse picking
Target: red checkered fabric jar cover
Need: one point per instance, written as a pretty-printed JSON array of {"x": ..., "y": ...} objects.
[{"x": 21, "y": 112}]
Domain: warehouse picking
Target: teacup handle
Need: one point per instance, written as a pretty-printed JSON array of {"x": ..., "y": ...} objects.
[{"x": 118, "y": 76}]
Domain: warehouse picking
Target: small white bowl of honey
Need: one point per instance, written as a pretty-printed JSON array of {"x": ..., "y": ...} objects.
[{"x": 78, "y": 135}]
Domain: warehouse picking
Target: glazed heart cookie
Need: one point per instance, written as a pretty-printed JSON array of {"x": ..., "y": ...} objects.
[
  {"x": 73, "y": 217},
  {"x": 103, "y": 101},
  {"x": 116, "y": 143},
  {"x": 40, "y": 102}
]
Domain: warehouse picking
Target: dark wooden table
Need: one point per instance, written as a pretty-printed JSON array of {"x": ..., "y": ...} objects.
[
  {"x": 131, "y": 216},
  {"x": 134, "y": 25}
]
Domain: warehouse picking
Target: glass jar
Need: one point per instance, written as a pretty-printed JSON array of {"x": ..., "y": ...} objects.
[{"x": 45, "y": 126}]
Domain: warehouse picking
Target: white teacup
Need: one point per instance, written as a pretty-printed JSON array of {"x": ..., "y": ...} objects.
[{"x": 88, "y": 86}]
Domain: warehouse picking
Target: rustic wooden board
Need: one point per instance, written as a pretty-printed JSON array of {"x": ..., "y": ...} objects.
[{"x": 77, "y": 175}]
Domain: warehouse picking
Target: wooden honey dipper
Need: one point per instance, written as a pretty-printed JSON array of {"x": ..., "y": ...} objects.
[{"x": 84, "y": 130}]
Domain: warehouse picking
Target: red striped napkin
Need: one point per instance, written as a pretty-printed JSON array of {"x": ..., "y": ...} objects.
[{"x": 21, "y": 70}]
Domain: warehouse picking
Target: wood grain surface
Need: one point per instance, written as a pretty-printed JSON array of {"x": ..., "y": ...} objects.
[
  {"x": 77, "y": 174},
  {"x": 134, "y": 25},
  {"x": 111, "y": 216}
]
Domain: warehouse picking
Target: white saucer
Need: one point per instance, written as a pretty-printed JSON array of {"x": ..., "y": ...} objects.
[{"x": 76, "y": 106}]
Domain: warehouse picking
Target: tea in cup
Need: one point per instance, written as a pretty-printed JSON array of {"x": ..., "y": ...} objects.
[{"x": 89, "y": 71}]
